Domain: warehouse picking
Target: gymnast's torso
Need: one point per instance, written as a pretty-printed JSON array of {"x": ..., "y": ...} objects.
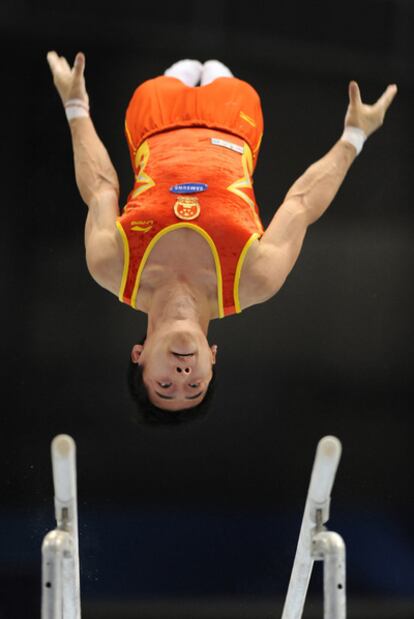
[{"x": 192, "y": 215}]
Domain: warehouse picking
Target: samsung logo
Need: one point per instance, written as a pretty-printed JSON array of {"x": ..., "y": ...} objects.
[{"x": 189, "y": 188}]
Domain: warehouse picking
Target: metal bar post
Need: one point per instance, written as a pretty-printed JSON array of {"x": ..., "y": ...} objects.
[
  {"x": 316, "y": 513},
  {"x": 60, "y": 547},
  {"x": 329, "y": 547}
]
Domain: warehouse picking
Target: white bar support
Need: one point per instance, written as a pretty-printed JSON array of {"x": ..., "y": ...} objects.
[
  {"x": 329, "y": 547},
  {"x": 60, "y": 547},
  {"x": 316, "y": 513}
]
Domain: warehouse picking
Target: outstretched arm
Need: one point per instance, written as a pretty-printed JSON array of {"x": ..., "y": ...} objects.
[
  {"x": 96, "y": 177},
  {"x": 313, "y": 192}
]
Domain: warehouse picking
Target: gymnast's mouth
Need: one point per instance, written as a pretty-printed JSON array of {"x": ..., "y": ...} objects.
[{"x": 183, "y": 354}]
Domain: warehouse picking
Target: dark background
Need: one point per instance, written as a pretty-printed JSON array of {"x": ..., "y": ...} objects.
[{"x": 203, "y": 521}]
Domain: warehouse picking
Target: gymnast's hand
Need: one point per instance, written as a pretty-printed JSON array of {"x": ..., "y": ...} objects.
[
  {"x": 369, "y": 118},
  {"x": 69, "y": 82}
]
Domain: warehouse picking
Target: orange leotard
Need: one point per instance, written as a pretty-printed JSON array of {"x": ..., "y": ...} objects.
[{"x": 193, "y": 151}]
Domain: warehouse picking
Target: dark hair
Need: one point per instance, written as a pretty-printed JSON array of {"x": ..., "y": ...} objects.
[{"x": 149, "y": 414}]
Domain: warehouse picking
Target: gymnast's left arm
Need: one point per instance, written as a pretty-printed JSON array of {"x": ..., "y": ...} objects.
[{"x": 313, "y": 192}]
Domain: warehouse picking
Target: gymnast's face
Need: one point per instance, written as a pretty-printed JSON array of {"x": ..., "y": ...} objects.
[{"x": 177, "y": 367}]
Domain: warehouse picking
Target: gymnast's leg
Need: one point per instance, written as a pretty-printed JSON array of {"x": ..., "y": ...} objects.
[
  {"x": 188, "y": 71},
  {"x": 192, "y": 72},
  {"x": 212, "y": 69}
]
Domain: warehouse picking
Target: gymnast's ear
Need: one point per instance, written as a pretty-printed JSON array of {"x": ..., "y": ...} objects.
[
  {"x": 214, "y": 350},
  {"x": 136, "y": 352}
]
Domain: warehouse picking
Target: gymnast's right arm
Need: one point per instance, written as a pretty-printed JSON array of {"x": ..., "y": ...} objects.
[{"x": 96, "y": 177}]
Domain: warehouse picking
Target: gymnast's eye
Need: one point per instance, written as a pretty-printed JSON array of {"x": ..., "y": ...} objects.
[
  {"x": 194, "y": 385},
  {"x": 165, "y": 385}
]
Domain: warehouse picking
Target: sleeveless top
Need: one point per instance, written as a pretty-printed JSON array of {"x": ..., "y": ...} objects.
[{"x": 195, "y": 178}]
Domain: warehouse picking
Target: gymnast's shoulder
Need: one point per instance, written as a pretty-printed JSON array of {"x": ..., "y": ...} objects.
[
  {"x": 262, "y": 275},
  {"x": 103, "y": 244}
]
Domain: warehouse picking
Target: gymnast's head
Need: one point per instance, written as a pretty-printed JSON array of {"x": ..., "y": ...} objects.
[{"x": 171, "y": 376}]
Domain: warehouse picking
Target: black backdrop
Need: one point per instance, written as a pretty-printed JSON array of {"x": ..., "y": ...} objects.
[{"x": 212, "y": 512}]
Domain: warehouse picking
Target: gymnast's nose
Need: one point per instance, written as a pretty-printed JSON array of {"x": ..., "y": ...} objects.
[{"x": 184, "y": 369}]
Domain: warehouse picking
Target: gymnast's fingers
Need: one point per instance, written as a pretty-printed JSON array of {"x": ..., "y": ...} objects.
[
  {"x": 354, "y": 93},
  {"x": 53, "y": 61},
  {"x": 386, "y": 98},
  {"x": 64, "y": 65},
  {"x": 79, "y": 64}
]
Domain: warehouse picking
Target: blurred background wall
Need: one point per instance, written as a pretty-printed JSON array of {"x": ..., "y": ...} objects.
[{"x": 203, "y": 521}]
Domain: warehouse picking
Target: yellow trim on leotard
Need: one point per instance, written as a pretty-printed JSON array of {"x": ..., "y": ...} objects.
[
  {"x": 240, "y": 263},
  {"x": 128, "y": 134},
  {"x": 214, "y": 251},
  {"x": 126, "y": 260},
  {"x": 248, "y": 119},
  {"x": 246, "y": 182},
  {"x": 256, "y": 148},
  {"x": 141, "y": 159}
]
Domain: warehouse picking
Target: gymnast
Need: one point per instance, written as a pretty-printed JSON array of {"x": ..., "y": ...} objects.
[{"x": 189, "y": 245}]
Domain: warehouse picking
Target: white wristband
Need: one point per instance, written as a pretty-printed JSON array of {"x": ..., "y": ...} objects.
[
  {"x": 76, "y": 108},
  {"x": 355, "y": 136}
]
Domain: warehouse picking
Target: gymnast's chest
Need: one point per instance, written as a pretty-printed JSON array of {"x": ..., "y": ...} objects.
[{"x": 182, "y": 251}]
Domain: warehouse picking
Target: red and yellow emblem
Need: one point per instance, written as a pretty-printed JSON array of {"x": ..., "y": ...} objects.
[{"x": 187, "y": 208}]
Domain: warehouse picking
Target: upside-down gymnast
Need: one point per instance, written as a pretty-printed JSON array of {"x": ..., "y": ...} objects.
[{"x": 189, "y": 245}]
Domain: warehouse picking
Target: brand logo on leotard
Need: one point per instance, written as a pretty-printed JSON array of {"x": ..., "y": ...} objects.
[
  {"x": 142, "y": 226},
  {"x": 187, "y": 208},
  {"x": 189, "y": 188}
]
